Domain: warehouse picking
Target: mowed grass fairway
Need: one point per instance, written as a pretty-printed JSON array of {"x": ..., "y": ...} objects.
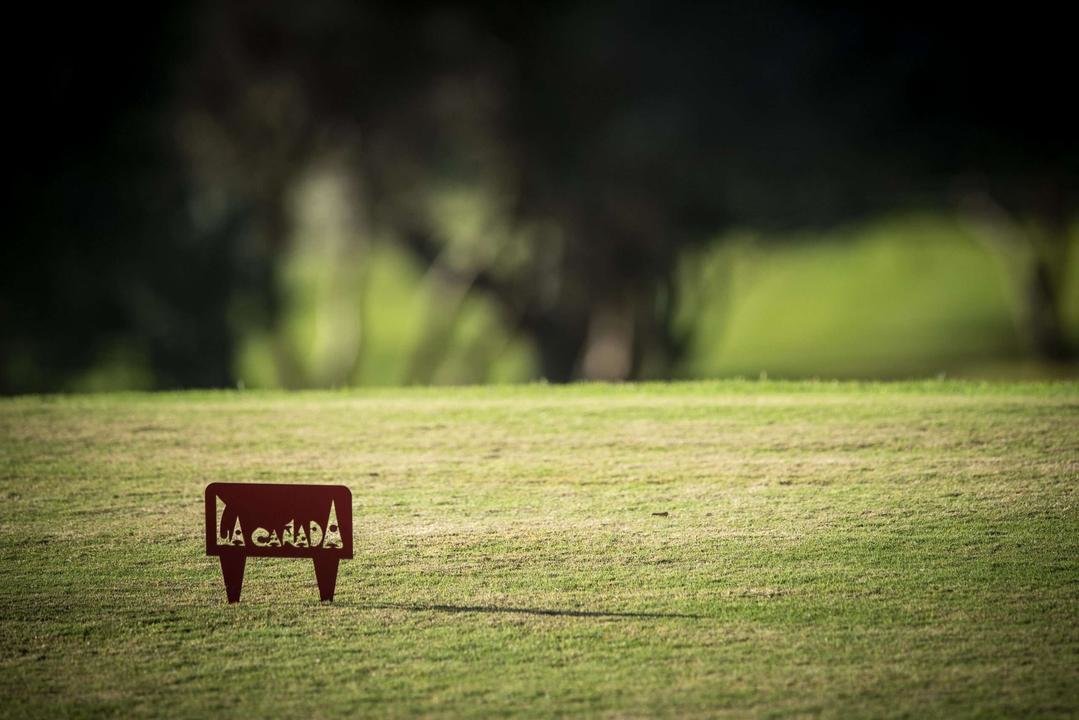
[{"x": 833, "y": 549}]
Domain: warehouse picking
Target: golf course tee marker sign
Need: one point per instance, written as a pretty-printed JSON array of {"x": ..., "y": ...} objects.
[{"x": 270, "y": 520}]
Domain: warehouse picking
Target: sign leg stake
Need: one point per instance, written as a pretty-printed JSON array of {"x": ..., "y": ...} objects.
[
  {"x": 232, "y": 569},
  {"x": 326, "y": 574}
]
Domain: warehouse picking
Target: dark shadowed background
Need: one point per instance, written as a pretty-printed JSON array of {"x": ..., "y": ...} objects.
[{"x": 336, "y": 193}]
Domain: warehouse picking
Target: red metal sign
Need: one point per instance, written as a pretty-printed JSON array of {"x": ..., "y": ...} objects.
[{"x": 260, "y": 520}]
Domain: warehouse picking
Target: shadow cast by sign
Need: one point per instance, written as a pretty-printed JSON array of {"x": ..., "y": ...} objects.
[{"x": 552, "y": 612}]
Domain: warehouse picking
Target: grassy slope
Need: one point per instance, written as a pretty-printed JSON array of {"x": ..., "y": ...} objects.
[
  {"x": 842, "y": 549},
  {"x": 900, "y": 297}
]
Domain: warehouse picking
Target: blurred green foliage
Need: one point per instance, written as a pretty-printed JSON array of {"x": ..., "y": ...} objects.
[
  {"x": 912, "y": 296},
  {"x": 342, "y": 194}
]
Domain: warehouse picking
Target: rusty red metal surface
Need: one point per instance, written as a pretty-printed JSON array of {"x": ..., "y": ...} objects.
[{"x": 269, "y": 520}]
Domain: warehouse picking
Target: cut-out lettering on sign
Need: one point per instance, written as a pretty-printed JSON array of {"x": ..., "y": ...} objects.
[{"x": 259, "y": 520}]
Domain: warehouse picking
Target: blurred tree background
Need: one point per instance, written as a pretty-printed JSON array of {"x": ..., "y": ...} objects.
[{"x": 335, "y": 193}]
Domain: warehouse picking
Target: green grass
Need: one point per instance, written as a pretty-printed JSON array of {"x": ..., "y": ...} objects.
[
  {"x": 898, "y": 298},
  {"x": 829, "y": 549}
]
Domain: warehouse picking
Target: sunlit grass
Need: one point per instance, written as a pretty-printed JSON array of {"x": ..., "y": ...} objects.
[
  {"x": 836, "y": 549},
  {"x": 908, "y": 297}
]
